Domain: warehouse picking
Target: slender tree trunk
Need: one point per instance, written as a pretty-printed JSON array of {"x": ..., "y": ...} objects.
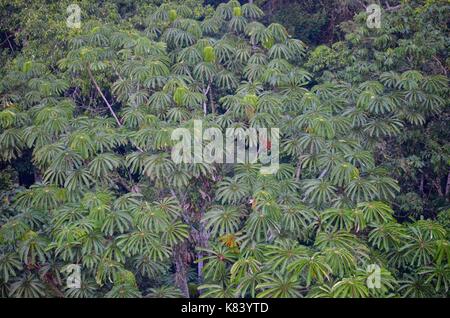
[
  {"x": 91, "y": 76},
  {"x": 181, "y": 257},
  {"x": 211, "y": 102},
  {"x": 103, "y": 96},
  {"x": 447, "y": 186},
  {"x": 422, "y": 182},
  {"x": 298, "y": 171},
  {"x": 437, "y": 185}
]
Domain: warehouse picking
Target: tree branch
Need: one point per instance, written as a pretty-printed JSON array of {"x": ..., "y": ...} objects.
[
  {"x": 103, "y": 96},
  {"x": 91, "y": 76}
]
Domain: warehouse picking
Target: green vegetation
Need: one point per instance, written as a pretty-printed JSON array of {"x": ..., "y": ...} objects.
[{"x": 86, "y": 117}]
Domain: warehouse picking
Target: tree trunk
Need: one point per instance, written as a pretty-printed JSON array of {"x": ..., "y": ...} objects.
[
  {"x": 181, "y": 268},
  {"x": 437, "y": 185},
  {"x": 211, "y": 102},
  {"x": 447, "y": 186},
  {"x": 103, "y": 96},
  {"x": 298, "y": 171}
]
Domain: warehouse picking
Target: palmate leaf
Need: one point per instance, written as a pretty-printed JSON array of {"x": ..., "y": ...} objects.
[
  {"x": 204, "y": 71},
  {"x": 7, "y": 117},
  {"x": 27, "y": 286},
  {"x": 338, "y": 219},
  {"x": 190, "y": 55},
  {"x": 78, "y": 179},
  {"x": 243, "y": 267},
  {"x": 250, "y": 10},
  {"x": 376, "y": 212},
  {"x": 231, "y": 190},
  {"x": 174, "y": 233},
  {"x": 150, "y": 218},
  {"x": 383, "y": 127},
  {"x": 338, "y": 239},
  {"x": 343, "y": 173},
  {"x": 13, "y": 230},
  {"x": 71, "y": 234},
  {"x": 419, "y": 249},
  {"x": 414, "y": 286},
  {"x": 211, "y": 25},
  {"x": 11, "y": 142},
  {"x": 313, "y": 268},
  {"x": 103, "y": 164},
  {"x": 222, "y": 220},
  {"x": 432, "y": 229},
  {"x": 261, "y": 225},
  {"x": 354, "y": 287},
  {"x": 116, "y": 222},
  {"x": 82, "y": 143},
  {"x": 279, "y": 51},
  {"x": 68, "y": 213},
  {"x": 216, "y": 291},
  {"x": 311, "y": 143},
  {"x": 41, "y": 196},
  {"x": 340, "y": 260},
  {"x": 442, "y": 251},
  {"x": 133, "y": 117},
  {"x": 247, "y": 284},
  {"x": 279, "y": 286},
  {"x": 147, "y": 267},
  {"x": 192, "y": 99},
  {"x": 258, "y": 58},
  {"x": 169, "y": 205},
  {"x": 164, "y": 292},
  {"x": 92, "y": 243},
  {"x": 284, "y": 252},
  {"x": 219, "y": 256},
  {"x": 387, "y": 236},
  {"x": 319, "y": 191},
  {"x": 37, "y": 136},
  {"x": 226, "y": 79},
  {"x": 435, "y": 83},
  {"x": 237, "y": 24},
  {"x": 361, "y": 158},
  {"x": 296, "y": 218},
  {"x": 178, "y": 114},
  {"x": 277, "y": 31},
  {"x": 9, "y": 264},
  {"x": 439, "y": 275},
  {"x": 32, "y": 248},
  {"x": 178, "y": 38},
  {"x": 135, "y": 161},
  {"x": 361, "y": 189},
  {"x": 136, "y": 242},
  {"x": 157, "y": 166},
  {"x": 322, "y": 127},
  {"x": 62, "y": 159},
  {"x": 87, "y": 289},
  {"x": 243, "y": 54},
  {"x": 224, "y": 51},
  {"x": 123, "y": 291}
]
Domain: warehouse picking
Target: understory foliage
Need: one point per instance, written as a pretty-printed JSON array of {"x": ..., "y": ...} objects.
[{"x": 95, "y": 127}]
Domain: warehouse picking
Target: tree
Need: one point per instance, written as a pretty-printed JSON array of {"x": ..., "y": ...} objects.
[{"x": 107, "y": 196}]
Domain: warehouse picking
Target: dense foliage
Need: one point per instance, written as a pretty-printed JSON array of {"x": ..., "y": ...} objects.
[{"x": 87, "y": 178}]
